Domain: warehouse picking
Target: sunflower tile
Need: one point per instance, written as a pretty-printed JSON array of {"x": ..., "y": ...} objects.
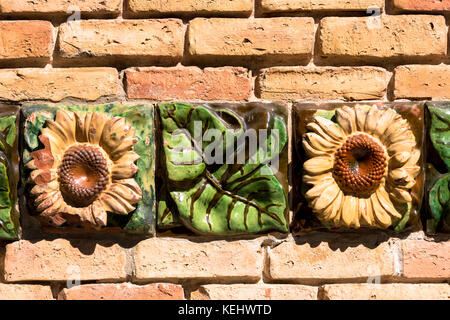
[
  {"x": 90, "y": 168},
  {"x": 9, "y": 172},
  {"x": 357, "y": 166},
  {"x": 223, "y": 168},
  {"x": 437, "y": 195}
]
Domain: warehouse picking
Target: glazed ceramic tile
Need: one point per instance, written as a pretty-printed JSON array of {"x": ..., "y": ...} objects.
[
  {"x": 90, "y": 168},
  {"x": 223, "y": 168},
  {"x": 357, "y": 166},
  {"x": 437, "y": 197},
  {"x": 9, "y": 173}
]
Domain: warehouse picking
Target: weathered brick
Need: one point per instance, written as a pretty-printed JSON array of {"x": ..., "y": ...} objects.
[
  {"x": 383, "y": 38},
  {"x": 327, "y": 83},
  {"x": 250, "y": 42},
  {"x": 61, "y": 260},
  {"x": 422, "y": 81},
  {"x": 255, "y": 292},
  {"x": 422, "y": 5},
  {"x": 188, "y": 83},
  {"x": 424, "y": 260},
  {"x": 316, "y": 264},
  {"x": 87, "y": 8},
  {"x": 172, "y": 260},
  {"x": 191, "y": 7},
  {"x": 25, "y": 292},
  {"x": 391, "y": 291},
  {"x": 320, "y": 5},
  {"x": 56, "y": 84},
  {"x": 28, "y": 41},
  {"x": 123, "y": 291},
  {"x": 122, "y": 41}
]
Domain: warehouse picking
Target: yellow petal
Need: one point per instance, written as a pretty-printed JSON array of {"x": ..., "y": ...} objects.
[
  {"x": 317, "y": 178},
  {"x": 319, "y": 143},
  {"x": 401, "y": 195},
  {"x": 366, "y": 211},
  {"x": 123, "y": 170},
  {"x": 94, "y": 128},
  {"x": 399, "y": 125},
  {"x": 115, "y": 133},
  {"x": 125, "y": 192},
  {"x": 326, "y": 198},
  {"x": 99, "y": 214},
  {"x": 399, "y": 159},
  {"x": 403, "y": 146},
  {"x": 132, "y": 185},
  {"x": 317, "y": 129},
  {"x": 64, "y": 125},
  {"x": 129, "y": 157},
  {"x": 383, "y": 197},
  {"x": 382, "y": 218},
  {"x": 318, "y": 165},
  {"x": 350, "y": 215},
  {"x": 318, "y": 189},
  {"x": 328, "y": 126},
  {"x": 386, "y": 119},
  {"x": 361, "y": 114},
  {"x": 332, "y": 212},
  {"x": 45, "y": 188},
  {"x": 373, "y": 116},
  {"x": 115, "y": 204},
  {"x": 47, "y": 200},
  {"x": 311, "y": 152},
  {"x": 346, "y": 119}
]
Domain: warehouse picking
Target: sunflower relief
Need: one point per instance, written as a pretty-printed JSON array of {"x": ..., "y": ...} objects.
[
  {"x": 362, "y": 163},
  {"x": 85, "y": 170}
]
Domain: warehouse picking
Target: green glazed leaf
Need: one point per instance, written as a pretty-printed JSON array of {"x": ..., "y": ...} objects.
[
  {"x": 440, "y": 132},
  {"x": 226, "y": 198},
  {"x": 7, "y": 230},
  {"x": 10, "y": 124},
  {"x": 440, "y": 198}
]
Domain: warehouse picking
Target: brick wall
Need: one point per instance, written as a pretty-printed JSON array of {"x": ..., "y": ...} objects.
[{"x": 225, "y": 50}]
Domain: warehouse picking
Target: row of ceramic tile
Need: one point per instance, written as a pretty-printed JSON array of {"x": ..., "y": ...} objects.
[{"x": 222, "y": 169}]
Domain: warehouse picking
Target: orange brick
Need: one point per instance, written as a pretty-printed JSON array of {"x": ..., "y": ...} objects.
[
  {"x": 169, "y": 259},
  {"x": 422, "y": 5},
  {"x": 25, "y": 292},
  {"x": 61, "y": 260},
  {"x": 123, "y": 291},
  {"x": 188, "y": 83},
  {"x": 320, "y": 5},
  {"x": 56, "y": 84},
  {"x": 26, "y": 41},
  {"x": 388, "y": 291},
  {"x": 87, "y": 8},
  {"x": 424, "y": 260},
  {"x": 250, "y": 42},
  {"x": 422, "y": 81},
  {"x": 122, "y": 41},
  {"x": 370, "y": 39},
  {"x": 327, "y": 83},
  {"x": 191, "y": 7},
  {"x": 255, "y": 292},
  {"x": 304, "y": 263}
]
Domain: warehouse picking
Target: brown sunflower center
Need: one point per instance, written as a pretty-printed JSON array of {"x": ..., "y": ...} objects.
[
  {"x": 359, "y": 165},
  {"x": 83, "y": 175}
]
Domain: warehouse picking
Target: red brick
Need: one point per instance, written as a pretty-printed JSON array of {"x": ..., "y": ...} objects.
[
  {"x": 388, "y": 291},
  {"x": 191, "y": 7},
  {"x": 396, "y": 38},
  {"x": 56, "y": 84},
  {"x": 322, "y": 83},
  {"x": 306, "y": 263},
  {"x": 25, "y": 292},
  {"x": 255, "y": 292},
  {"x": 188, "y": 83},
  {"x": 259, "y": 41},
  {"x": 87, "y": 8},
  {"x": 422, "y": 5},
  {"x": 157, "y": 41},
  {"x": 174, "y": 260},
  {"x": 123, "y": 291},
  {"x": 30, "y": 42},
  {"x": 61, "y": 260},
  {"x": 425, "y": 260},
  {"x": 422, "y": 81},
  {"x": 319, "y": 5}
]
